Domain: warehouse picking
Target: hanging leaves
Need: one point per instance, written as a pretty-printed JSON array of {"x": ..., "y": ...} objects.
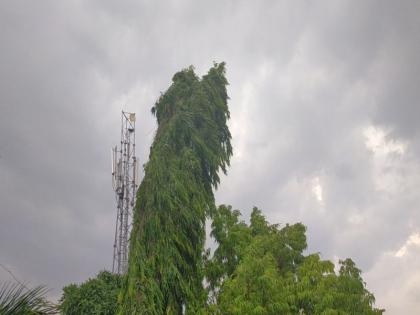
[{"x": 191, "y": 145}]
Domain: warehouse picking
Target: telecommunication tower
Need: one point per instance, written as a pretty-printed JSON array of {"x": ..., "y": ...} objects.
[{"x": 124, "y": 183}]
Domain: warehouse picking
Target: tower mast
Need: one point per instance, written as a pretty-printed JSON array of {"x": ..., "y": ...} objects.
[{"x": 124, "y": 183}]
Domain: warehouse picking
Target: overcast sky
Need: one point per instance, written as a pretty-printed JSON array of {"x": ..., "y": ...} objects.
[{"x": 324, "y": 116}]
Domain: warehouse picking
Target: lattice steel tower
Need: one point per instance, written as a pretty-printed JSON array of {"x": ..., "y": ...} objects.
[{"x": 124, "y": 182}]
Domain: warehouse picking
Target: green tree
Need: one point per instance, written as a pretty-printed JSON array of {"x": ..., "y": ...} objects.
[
  {"x": 192, "y": 143},
  {"x": 265, "y": 272},
  {"x": 97, "y": 296}
]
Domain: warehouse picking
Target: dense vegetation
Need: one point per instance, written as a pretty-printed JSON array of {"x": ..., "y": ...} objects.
[
  {"x": 256, "y": 268},
  {"x": 97, "y": 296},
  {"x": 192, "y": 143},
  {"x": 261, "y": 269}
]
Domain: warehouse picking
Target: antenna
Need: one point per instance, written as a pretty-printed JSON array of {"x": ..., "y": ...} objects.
[{"x": 124, "y": 183}]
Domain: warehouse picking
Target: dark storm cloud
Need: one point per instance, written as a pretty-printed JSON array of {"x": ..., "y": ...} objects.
[
  {"x": 49, "y": 171},
  {"x": 310, "y": 86}
]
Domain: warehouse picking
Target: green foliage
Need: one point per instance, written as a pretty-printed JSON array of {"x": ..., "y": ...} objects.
[
  {"x": 97, "y": 296},
  {"x": 232, "y": 236},
  {"x": 192, "y": 143},
  {"x": 261, "y": 269},
  {"x": 17, "y": 299},
  {"x": 256, "y": 269}
]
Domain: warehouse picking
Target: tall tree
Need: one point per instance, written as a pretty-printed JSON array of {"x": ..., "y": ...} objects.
[{"x": 192, "y": 142}]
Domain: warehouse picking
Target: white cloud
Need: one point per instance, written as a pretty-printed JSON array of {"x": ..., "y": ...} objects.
[
  {"x": 377, "y": 141},
  {"x": 317, "y": 189},
  {"x": 413, "y": 240}
]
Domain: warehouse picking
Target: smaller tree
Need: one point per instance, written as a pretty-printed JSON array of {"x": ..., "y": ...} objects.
[
  {"x": 260, "y": 269},
  {"x": 97, "y": 296}
]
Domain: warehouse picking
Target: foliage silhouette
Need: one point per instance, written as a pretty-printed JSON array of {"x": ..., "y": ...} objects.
[{"x": 17, "y": 299}]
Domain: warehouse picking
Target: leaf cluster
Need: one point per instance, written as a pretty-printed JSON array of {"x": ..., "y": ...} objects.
[
  {"x": 16, "y": 298},
  {"x": 96, "y": 296}
]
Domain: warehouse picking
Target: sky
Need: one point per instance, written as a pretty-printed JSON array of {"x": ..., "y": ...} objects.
[{"x": 324, "y": 101}]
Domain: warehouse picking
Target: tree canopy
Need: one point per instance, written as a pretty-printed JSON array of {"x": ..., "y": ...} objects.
[
  {"x": 261, "y": 269},
  {"x": 96, "y": 296}
]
